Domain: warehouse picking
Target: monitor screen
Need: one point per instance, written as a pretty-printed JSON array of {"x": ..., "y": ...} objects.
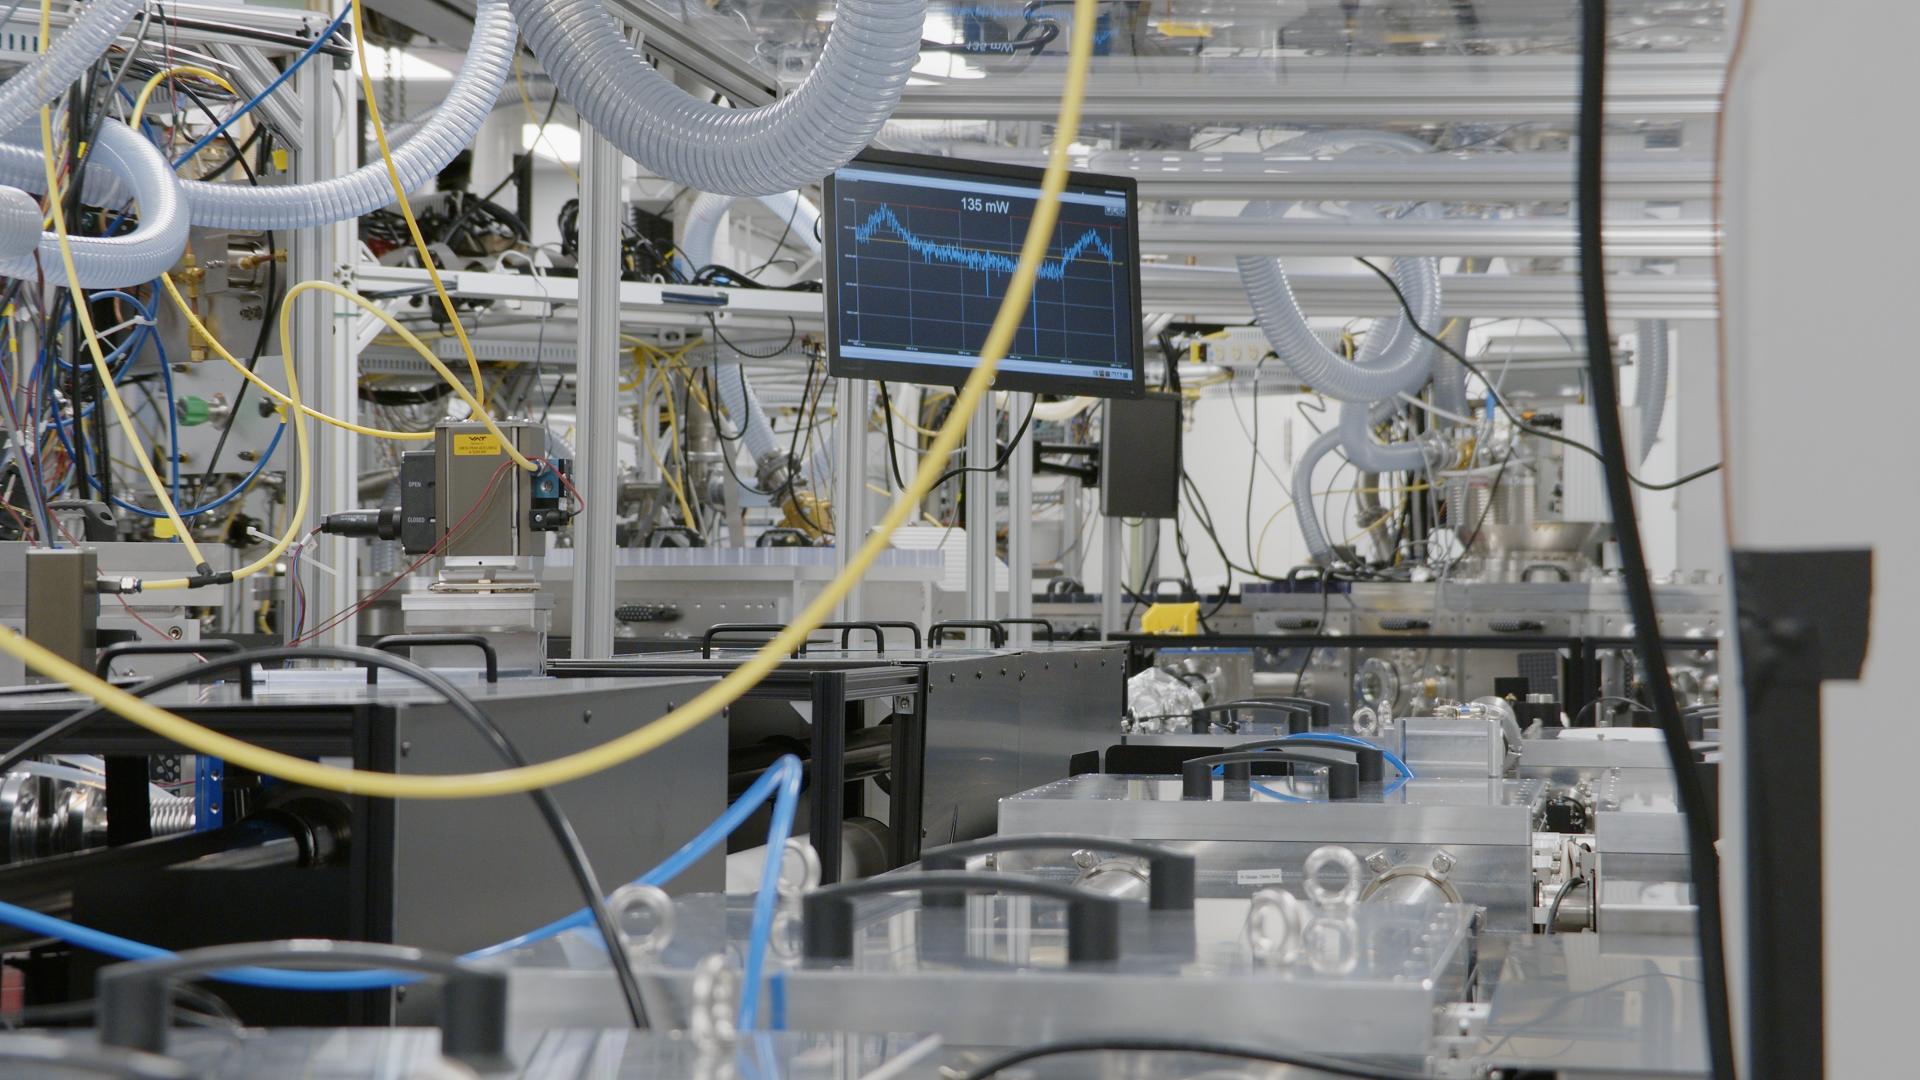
[{"x": 918, "y": 253}]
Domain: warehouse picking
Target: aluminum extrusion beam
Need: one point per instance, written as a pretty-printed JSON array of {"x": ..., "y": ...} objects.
[
  {"x": 596, "y": 459},
  {"x": 1316, "y": 90},
  {"x": 1439, "y": 177},
  {"x": 1215, "y": 293},
  {"x": 1537, "y": 238}
]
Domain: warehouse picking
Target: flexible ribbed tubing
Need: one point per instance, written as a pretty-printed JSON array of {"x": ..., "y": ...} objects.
[
  {"x": 19, "y": 223},
  {"x": 793, "y": 142},
  {"x": 107, "y": 262},
  {"x": 71, "y": 54},
  {"x": 1369, "y": 454},
  {"x": 453, "y": 125},
  {"x": 1650, "y": 390},
  {"x": 696, "y": 249},
  {"x": 1317, "y": 547},
  {"x": 1405, "y": 359}
]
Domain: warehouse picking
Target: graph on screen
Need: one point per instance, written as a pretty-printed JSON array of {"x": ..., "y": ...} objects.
[{"x": 922, "y": 263}]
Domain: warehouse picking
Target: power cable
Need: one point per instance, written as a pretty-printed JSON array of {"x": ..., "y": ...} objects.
[
  {"x": 1703, "y": 859},
  {"x": 1329, "y": 1066}
]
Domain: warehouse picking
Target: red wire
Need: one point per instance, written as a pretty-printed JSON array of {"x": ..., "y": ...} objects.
[
  {"x": 571, "y": 490},
  {"x": 487, "y": 498}
]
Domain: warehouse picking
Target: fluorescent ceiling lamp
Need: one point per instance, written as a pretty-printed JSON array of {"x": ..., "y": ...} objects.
[{"x": 558, "y": 143}]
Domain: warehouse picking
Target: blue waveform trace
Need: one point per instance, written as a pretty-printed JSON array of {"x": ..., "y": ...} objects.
[{"x": 988, "y": 262}]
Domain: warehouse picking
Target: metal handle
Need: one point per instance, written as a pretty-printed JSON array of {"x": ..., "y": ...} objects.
[
  {"x": 1042, "y": 623},
  {"x": 1170, "y": 873},
  {"x": 1371, "y": 760},
  {"x": 899, "y": 624},
  {"x": 1299, "y": 718},
  {"x": 1405, "y": 622},
  {"x": 1093, "y": 920},
  {"x": 1322, "y": 711},
  {"x": 1343, "y": 770},
  {"x": 160, "y": 648},
  {"x": 996, "y": 634},
  {"x": 395, "y": 642},
  {"x": 706, "y": 639},
  {"x": 135, "y": 998},
  {"x": 1527, "y": 574},
  {"x": 846, "y": 633}
]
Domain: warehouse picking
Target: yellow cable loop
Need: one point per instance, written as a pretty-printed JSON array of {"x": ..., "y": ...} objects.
[
  {"x": 85, "y": 318},
  {"x": 473, "y": 403},
  {"x": 267, "y": 387},
  {"x": 413, "y": 227},
  {"x": 140, "y": 103},
  {"x": 709, "y": 702}
]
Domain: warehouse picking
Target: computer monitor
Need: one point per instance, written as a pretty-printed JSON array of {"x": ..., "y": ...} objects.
[{"x": 919, "y": 250}]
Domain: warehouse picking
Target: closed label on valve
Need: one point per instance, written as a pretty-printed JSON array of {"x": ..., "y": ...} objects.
[{"x": 482, "y": 444}]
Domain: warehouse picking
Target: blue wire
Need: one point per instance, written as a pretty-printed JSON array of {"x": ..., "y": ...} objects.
[
  {"x": 777, "y": 832},
  {"x": 223, "y": 500},
  {"x": 325, "y": 36},
  {"x": 1392, "y": 759},
  {"x": 125, "y": 949}
]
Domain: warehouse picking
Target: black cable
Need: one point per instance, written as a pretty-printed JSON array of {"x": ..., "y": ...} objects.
[
  {"x": 1701, "y": 855},
  {"x": 886, "y": 409},
  {"x": 1631, "y": 704},
  {"x": 1330, "y": 1066},
  {"x": 1553, "y": 910},
  {"x": 1005, "y": 454},
  {"x": 1414, "y": 322},
  {"x": 570, "y": 847},
  {"x": 793, "y": 331}
]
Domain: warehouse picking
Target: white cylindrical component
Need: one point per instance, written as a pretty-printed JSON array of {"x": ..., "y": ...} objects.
[
  {"x": 108, "y": 262},
  {"x": 304, "y": 206},
  {"x": 19, "y": 223},
  {"x": 53, "y": 71},
  {"x": 795, "y": 141},
  {"x": 1395, "y": 357},
  {"x": 696, "y": 250},
  {"x": 1650, "y": 391}
]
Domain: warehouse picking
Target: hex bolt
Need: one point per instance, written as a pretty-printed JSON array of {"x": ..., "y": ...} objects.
[
  {"x": 1442, "y": 863},
  {"x": 1378, "y": 862}
]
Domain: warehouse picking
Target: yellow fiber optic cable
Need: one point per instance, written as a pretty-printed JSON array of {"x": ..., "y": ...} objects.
[
  {"x": 85, "y": 319},
  {"x": 707, "y": 703},
  {"x": 413, "y": 226},
  {"x": 140, "y": 103},
  {"x": 266, "y": 387}
]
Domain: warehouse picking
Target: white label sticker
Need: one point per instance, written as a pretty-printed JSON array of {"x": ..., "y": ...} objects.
[{"x": 1259, "y": 877}]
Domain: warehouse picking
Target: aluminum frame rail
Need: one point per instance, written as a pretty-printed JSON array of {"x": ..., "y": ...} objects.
[
  {"x": 1438, "y": 177},
  {"x": 1319, "y": 90}
]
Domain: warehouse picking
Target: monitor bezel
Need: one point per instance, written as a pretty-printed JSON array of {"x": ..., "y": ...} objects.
[{"x": 846, "y": 367}]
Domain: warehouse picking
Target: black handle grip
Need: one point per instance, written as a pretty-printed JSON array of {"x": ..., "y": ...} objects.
[
  {"x": 136, "y": 998},
  {"x": 846, "y": 633},
  {"x": 1515, "y": 626},
  {"x": 1405, "y": 622},
  {"x": 1322, "y": 711},
  {"x": 1042, "y": 623},
  {"x": 996, "y": 634},
  {"x": 706, "y": 639},
  {"x": 1343, "y": 770},
  {"x": 1170, "y": 873},
  {"x": 900, "y": 624},
  {"x": 1371, "y": 760},
  {"x": 1299, "y": 718},
  {"x": 1093, "y": 920},
  {"x": 160, "y": 648},
  {"x": 395, "y": 642}
]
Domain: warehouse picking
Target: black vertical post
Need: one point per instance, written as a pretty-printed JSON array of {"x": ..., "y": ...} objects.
[
  {"x": 829, "y": 769},
  {"x": 129, "y": 813},
  {"x": 523, "y": 188},
  {"x": 1803, "y": 619},
  {"x": 909, "y": 775}
]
